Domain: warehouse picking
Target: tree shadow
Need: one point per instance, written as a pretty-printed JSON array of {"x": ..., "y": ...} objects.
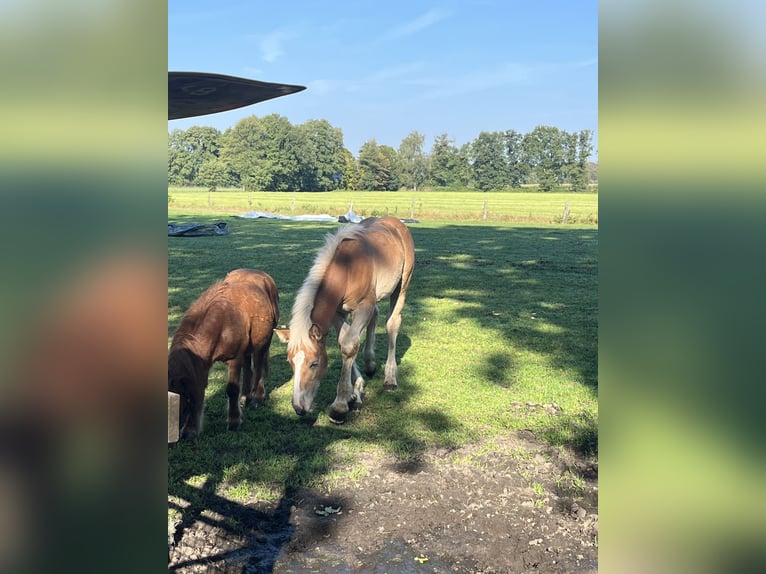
[{"x": 511, "y": 280}]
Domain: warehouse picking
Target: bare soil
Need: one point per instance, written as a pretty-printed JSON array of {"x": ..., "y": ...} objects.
[{"x": 510, "y": 505}]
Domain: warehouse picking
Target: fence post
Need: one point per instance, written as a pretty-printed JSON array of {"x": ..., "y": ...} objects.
[
  {"x": 566, "y": 213},
  {"x": 174, "y": 403},
  {"x": 412, "y": 209},
  {"x": 484, "y": 215}
]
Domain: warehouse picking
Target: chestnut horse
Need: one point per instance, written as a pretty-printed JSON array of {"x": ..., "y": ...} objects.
[
  {"x": 231, "y": 322},
  {"x": 356, "y": 268}
]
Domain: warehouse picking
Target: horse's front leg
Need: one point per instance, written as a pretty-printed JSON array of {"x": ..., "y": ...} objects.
[
  {"x": 355, "y": 402},
  {"x": 351, "y": 383},
  {"x": 233, "y": 391}
]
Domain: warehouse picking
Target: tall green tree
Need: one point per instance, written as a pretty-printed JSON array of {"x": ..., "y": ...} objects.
[
  {"x": 581, "y": 172},
  {"x": 378, "y": 167},
  {"x": 266, "y": 153},
  {"x": 216, "y": 173},
  {"x": 517, "y": 168},
  {"x": 464, "y": 169},
  {"x": 391, "y": 178},
  {"x": 544, "y": 153},
  {"x": 413, "y": 161},
  {"x": 490, "y": 168},
  {"x": 445, "y": 162},
  {"x": 324, "y": 156},
  {"x": 352, "y": 177},
  {"x": 188, "y": 150}
]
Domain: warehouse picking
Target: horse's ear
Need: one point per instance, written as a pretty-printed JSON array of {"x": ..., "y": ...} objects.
[
  {"x": 315, "y": 333},
  {"x": 283, "y": 334}
]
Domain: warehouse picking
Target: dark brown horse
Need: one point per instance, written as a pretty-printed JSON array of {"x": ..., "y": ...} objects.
[
  {"x": 356, "y": 268},
  {"x": 231, "y": 322}
]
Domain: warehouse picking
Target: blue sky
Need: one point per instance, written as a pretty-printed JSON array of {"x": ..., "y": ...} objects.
[{"x": 381, "y": 70}]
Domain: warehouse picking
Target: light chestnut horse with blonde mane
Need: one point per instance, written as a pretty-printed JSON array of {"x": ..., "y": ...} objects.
[
  {"x": 356, "y": 268},
  {"x": 232, "y": 322}
]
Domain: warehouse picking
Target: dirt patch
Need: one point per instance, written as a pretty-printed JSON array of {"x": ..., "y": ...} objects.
[{"x": 504, "y": 505}]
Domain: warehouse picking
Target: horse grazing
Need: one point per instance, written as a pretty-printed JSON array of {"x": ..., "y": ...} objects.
[
  {"x": 231, "y": 322},
  {"x": 356, "y": 268}
]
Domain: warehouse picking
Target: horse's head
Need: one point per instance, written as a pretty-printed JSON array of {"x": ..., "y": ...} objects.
[
  {"x": 178, "y": 384},
  {"x": 308, "y": 359},
  {"x": 182, "y": 380}
]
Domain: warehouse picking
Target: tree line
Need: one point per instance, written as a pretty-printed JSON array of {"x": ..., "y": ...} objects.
[{"x": 271, "y": 154}]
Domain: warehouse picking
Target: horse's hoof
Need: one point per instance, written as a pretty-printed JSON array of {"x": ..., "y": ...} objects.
[
  {"x": 370, "y": 370},
  {"x": 337, "y": 418},
  {"x": 234, "y": 426},
  {"x": 390, "y": 386},
  {"x": 355, "y": 405}
]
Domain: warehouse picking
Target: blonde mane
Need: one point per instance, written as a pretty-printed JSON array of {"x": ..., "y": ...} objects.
[{"x": 300, "y": 322}]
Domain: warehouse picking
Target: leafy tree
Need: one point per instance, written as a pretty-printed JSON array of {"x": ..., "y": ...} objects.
[
  {"x": 188, "y": 150},
  {"x": 490, "y": 169},
  {"x": 216, "y": 173},
  {"x": 378, "y": 167},
  {"x": 390, "y": 175},
  {"x": 352, "y": 176},
  {"x": 518, "y": 169},
  {"x": 413, "y": 161},
  {"x": 584, "y": 149},
  {"x": 544, "y": 153},
  {"x": 464, "y": 169},
  {"x": 265, "y": 152},
  {"x": 324, "y": 158},
  {"x": 592, "y": 172},
  {"x": 445, "y": 162}
]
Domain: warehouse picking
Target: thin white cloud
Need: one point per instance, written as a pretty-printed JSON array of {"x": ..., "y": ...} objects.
[
  {"x": 424, "y": 86},
  {"x": 401, "y": 73},
  {"x": 420, "y": 23},
  {"x": 500, "y": 75},
  {"x": 271, "y": 45}
]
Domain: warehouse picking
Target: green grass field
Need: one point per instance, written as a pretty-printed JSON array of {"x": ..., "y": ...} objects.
[
  {"x": 523, "y": 207},
  {"x": 499, "y": 333}
]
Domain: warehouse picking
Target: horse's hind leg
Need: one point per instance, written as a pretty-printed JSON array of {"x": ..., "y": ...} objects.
[
  {"x": 247, "y": 379},
  {"x": 370, "y": 366},
  {"x": 393, "y": 323},
  {"x": 261, "y": 369},
  {"x": 233, "y": 391}
]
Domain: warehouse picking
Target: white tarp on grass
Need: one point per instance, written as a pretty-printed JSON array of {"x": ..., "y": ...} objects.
[{"x": 349, "y": 217}]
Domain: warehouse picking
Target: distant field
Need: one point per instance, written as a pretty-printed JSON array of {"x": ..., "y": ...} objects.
[{"x": 528, "y": 207}]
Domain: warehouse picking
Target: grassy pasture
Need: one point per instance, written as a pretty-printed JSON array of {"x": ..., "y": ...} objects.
[
  {"x": 499, "y": 333},
  {"x": 522, "y": 207}
]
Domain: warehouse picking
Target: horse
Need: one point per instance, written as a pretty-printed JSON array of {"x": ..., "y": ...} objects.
[
  {"x": 231, "y": 322},
  {"x": 355, "y": 269}
]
